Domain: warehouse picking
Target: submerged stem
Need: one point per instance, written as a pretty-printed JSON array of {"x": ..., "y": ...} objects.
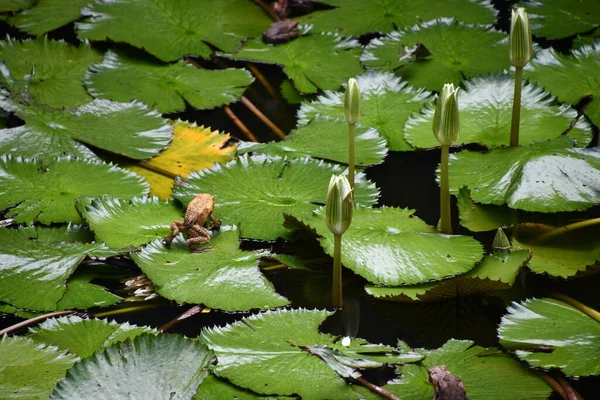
[
  {"x": 568, "y": 228},
  {"x": 516, "y": 113},
  {"x": 336, "y": 292},
  {"x": 33, "y": 321},
  {"x": 445, "y": 221},
  {"x": 351, "y": 155},
  {"x": 123, "y": 310},
  {"x": 590, "y": 312}
]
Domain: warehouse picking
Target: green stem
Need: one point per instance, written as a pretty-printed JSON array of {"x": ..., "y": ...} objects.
[
  {"x": 590, "y": 312},
  {"x": 445, "y": 221},
  {"x": 336, "y": 292},
  {"x": 351, "y": 156},
  {"x": 123, "y": 310},
  {"x": 568, "y": 228},
  {"x": 516, "y": 113},
  {"x": 33, "y": 321}
]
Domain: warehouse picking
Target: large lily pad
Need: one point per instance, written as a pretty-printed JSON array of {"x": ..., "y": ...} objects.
[
  {"x": 486, "y": 111},
  {"x": 46, "y": 192},
  {"x": 557, "y": 19},
  {"x": 253, "y": 192},
  {"x": 171, "y": 29},
  {"x": 353, "y": 17},
  {"x": 47, "y": 15},
  {"x": 392, "y": 247},
  {"x": 548, "y": 333},
  {"x": 225, "y": 272},
  {"x": 326, "y": 139},
  {"x": 387, "y": 102},
  {"x": 164, "y": 366},
  {"x": 546, "y": 177},
  {"x": 166, "y": 88},
  {"x": 457, "y": 50},
  {"x": 313, "y": 62}
]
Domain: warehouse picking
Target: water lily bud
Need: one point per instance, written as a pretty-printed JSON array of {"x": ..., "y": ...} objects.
[
  {"x": 339, "y": 205},
  {"x": 520, "y": 43},
  {"x": 352, "y": 102},
  {"x": 446, "y": 124},
  {"x": 501, "y": 242}
]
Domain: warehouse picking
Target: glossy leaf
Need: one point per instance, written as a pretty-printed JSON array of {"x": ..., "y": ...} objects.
[
  {"x": 81, "y": 294},
  {"x": 214, "y": 388},
  {"x": 546, "y": 177},
  {"x": 15, "y": 5},
  {"x": 48, "y": 15},
  {"x": 458, "y": 51},
  {"x": 557, "y": 19},
  {"x": 46, "y": 192},
  {"x": 328, "y": 140},
  {"x": 485, "y": 107},
  {"x": 165, "y": 87},
  {"x": 483, "y": 217},
  {"x": 172, "y": 29},
  {"x": 253, "y": 192},
  {"x": 548, "y": 333},
  {"x": 387, "y": 103},
  {"x": 164, "y": 366}
]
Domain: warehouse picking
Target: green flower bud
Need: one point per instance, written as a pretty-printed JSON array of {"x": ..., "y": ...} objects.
[
  {"x": 501, "y": 242},
  {"x": 352, "y": 102},
  {"x": 519, "y": 40},
  {"x": 339, "y": 205},
  {"x": 446, "y": 124}
]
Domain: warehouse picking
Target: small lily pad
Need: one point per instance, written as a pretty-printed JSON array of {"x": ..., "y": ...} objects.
[
  {"x": 483, "y": 217},
  {"x": 81, "y": 294},
  {"x": 48, "y": 15}
]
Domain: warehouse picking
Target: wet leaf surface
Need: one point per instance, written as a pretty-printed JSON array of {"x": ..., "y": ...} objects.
[
  {"x": 47, "y": 15},
  {"x": 557, "y": 19},
  {"x": 483, "y": 217}
]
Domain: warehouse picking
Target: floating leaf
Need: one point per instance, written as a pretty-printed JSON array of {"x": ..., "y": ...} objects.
[
  {"x": 48, "y": 15},
  {"x": 81, "y": 294},
  {"x": 548, "y": 333},
  {"x": 55, "y": 68},
  {"x": 172, "y": 29},
  {"x": 166, "y": 88},
  {"x": 570, "y": 78},
  {"x": 557, "y": 19},
  {"x": 458, "y": 51},
  {"x": 351, "y": 17},
  {"x": 225, "y": 272},
  {"x": 326, "y": 139},
  {"x": 30, "y": 370},
  {"x": 390, "y": 246},
  {"x": 483, "y": 217},
  {"x": 486, "y": 111},
  {"x": 253, "y": 192},
  {"x": 387, "y": 102},
  {"x": 546, "y": 177},
  {"x": 46, "y": 192},
  {"x": 313, "y": 62},
  {"x": 164, "y": 366},
  {"x": 214, "y": 388},
  {"x": 15, "y": 5}
]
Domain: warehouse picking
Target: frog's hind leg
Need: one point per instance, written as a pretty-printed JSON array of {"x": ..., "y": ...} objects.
[
  {"x": 197, "y": 237},
  {"x": 174, "y": 231}
]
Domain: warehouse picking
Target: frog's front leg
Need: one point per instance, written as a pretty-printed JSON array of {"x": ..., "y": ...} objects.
[
  {"x": 197, "y": 236},
  {"x": 176, "y": 227},
  {"x": 215, "y": 223}
]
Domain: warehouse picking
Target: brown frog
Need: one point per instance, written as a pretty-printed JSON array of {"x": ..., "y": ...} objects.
[
  {"x": 198, "y": 212},
  {"x": 281, "y": 32}
]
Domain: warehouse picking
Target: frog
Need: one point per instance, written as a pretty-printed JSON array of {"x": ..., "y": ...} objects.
[
  {"x": 198, "y": 213},
  {"x": 281, "y": 32}
]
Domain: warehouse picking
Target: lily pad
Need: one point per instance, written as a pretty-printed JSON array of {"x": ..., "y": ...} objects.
[
  {"x": 390, "y": 246},
  {"x": 485, "y": 107},
  {"x": 313, "y": 62},
  {"x": 15, "y": 5},
  {"x": 458, "y": 51},
  {"x": 548, "y": 333},
  {"x": 253, "y": 192},
  {"x": 214, "y": 388},
  {"x": 225, "y": 272},
  {"x": 165, "y": 87},
  {"x": 53, "y": 69},
  {"x": 351, "y": 17},
  {"x": 557, "y": 19},
  {"x": 30, "y": 370},
  {"x": 570, "y": 78},
  {"x": 46, "y": 192},
  {"x": 81, "y": 294},
  {"x": 387, "y": 102},
  {"x": 164, "y": 366},
  {"x": 545, "y": 177},
  {"x": 48, "y": 15},
  {"x": 483, "y": 217},
  {"x": 172, "y": 29},
  {"x": 328, "y": 140}
]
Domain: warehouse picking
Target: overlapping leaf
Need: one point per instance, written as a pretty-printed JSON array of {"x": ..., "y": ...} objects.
[
  {"x": 81, "y": 294},
  {"x": 172, "y": 29},
  {"x": 557, "y": 19},
  {"x": 483, "y": 217},
  {"x": 458, "y": 51},
  {"x": 47, "y": 15}
]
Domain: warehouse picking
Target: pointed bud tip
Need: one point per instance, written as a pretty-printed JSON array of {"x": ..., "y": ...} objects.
[
  {"x": 339, "y": 205},
  {"x": 446, "y": 123},
  {"x": 352, "y": 102},
  {"x": 520, "y": 41}
]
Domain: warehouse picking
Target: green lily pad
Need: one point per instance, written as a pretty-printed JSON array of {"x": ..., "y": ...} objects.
[
  {"x": 485, "y": 107},
  {"x": 128, "y": 129},
  {"x": 53, "y": 69},
  {"x": 148, "y": 366},
  {"x": 326, "y": 139},
  {"x": 352, "y": 17},
  {"x": 172, "y": 29},
  {"x": 225, "y": 273},
  {"x": 387, "y": 102},
  {"x": 485, "y": 375},
  {"x": 166, "y": 88},
  {"x": 557, "y": 19},
  {"x": 458, "y": 51},
  {"x": 15, "y": 5},
  {"x": 390, "y": 246},
  {"x": 30, "y": 370},
  {"x": 253, "y": 192},
  {"x": 214, "y": 388},
  {"x": 570, "y": 78},
  {"x": 48, "y": 15},
  {"x": 483, "y": 217},
  {"x": 313, "y": 62},
  {"x": 46, "y": 192},
  {"x": 84, "y": 337},
  {"x": 132, "y": 222},
  {"x": 548, "y": 333}
]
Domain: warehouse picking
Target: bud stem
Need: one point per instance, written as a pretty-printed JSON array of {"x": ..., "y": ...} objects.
[
  {"x": 516, "y": 113},
  {"x": 445, "y": 221},
  {"x": 351, "y": 156},
  {"x": 336, "y": 292}
]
